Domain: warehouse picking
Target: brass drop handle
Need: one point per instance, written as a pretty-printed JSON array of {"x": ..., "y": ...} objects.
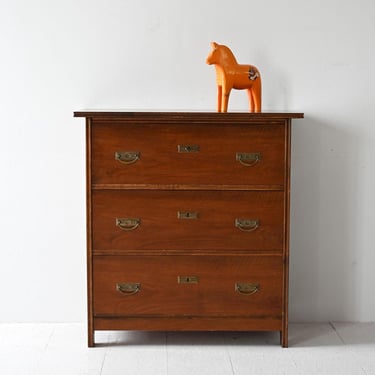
[
  {"x": 248, "y": 159},
  {"x": 127, "y": 223},
  {"x": 246, "y": 288},
  {"x": 127, "y": 157},
  {"x": 247, "y": 225},
  {"x": 128, "y": 288}
]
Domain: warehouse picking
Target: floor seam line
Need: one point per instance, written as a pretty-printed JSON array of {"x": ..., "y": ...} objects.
[
  {"x": 104, "y": 358},
  {"x": 337, "y": 333},
  {"x": 229, "y": 357}
]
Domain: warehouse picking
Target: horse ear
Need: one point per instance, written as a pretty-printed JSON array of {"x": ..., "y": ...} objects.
[{"x": 214, "y": 45}]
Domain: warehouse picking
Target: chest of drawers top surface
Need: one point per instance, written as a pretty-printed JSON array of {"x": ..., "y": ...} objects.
[{"x": 185, "y": 115}]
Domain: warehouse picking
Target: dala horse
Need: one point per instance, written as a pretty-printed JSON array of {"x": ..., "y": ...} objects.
[{"x": 231, "y": 75}]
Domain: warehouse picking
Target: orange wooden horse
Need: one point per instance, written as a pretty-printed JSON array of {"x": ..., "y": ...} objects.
[{"x": 231, "y": 75}]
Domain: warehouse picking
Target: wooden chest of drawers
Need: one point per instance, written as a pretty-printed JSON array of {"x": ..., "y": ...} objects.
[{"x": 188, "y": 221}]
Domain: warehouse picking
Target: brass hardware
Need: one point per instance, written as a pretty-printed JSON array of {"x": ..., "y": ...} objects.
[
  {"x": 127, "y": 223},
  {"x": 187, "y": 279},
  {"x": 246, "y": 288},
  {"x": 247, "y": 225},
  {"x": 187, "y": 215},
  {"x": 128, "y": 288},
  {"x": 188, "y": 148},
  {"x": 127, "y": 157},
  {"x": 248, "y": 159}
]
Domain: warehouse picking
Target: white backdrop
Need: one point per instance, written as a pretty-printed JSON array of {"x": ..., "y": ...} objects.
[{"x": 316, "y": 57}]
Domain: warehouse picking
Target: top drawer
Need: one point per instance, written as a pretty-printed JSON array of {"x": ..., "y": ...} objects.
[{"x": 177, "y": 154}]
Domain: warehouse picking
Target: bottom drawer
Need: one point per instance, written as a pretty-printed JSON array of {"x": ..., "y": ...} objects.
[{"x": 249, "y": 286}]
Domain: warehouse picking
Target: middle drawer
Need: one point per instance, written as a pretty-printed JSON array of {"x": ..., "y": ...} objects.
[{"x": 128, "y": 220}]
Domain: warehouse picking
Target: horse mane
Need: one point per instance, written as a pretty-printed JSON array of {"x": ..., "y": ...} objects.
[{"x": 227, "y": 53}]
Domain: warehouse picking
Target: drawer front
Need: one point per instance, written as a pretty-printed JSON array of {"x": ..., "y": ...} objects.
[
  {"x": 188, "y": 154},
  {"x": 187, "y": 285},
  {"x": 188, "y": 220}
]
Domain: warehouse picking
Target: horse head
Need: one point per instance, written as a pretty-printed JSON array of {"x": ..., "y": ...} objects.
[{"x": 220, "y": 55}]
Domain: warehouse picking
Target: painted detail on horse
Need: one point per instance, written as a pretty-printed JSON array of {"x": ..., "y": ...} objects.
[
  {"x": 253, "y": 74},
  {"x": 231, "y": 75}
]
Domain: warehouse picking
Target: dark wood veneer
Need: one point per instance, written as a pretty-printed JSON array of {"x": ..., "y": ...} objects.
[{"x": 211, "y": 183}]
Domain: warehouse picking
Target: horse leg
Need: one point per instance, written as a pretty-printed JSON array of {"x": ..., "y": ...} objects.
[
  {"x": 256, "y": 94},
  {"x": 225, "y": 98},
  {"x": 219, "y": 97},
  {"x": 251, "y": 99}
]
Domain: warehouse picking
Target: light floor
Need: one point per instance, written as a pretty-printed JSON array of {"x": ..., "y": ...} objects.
[{"x": 53, "y": 349}]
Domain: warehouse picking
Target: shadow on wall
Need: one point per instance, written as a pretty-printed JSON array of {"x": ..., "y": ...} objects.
[{"x": 324, "y": 226}]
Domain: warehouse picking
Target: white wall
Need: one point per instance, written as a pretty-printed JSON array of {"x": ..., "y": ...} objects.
[{"x": 316, "y": 57}]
